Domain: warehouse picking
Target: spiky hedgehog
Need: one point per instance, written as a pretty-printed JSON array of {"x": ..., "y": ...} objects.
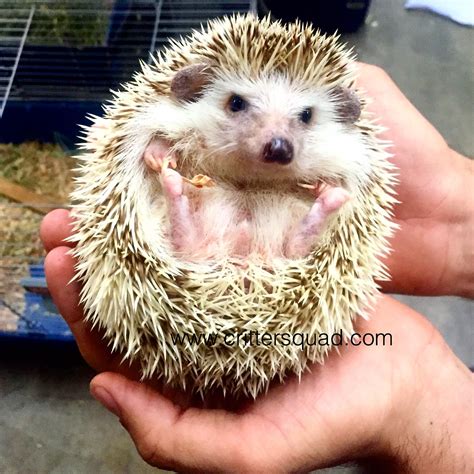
[{"x": 269, "y": 116}]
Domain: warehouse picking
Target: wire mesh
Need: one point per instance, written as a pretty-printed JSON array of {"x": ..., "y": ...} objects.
[
  {"x": 78, "y": 51},
  {"x": 75, "y": 51},
  {"x": 13, "y": 34}
]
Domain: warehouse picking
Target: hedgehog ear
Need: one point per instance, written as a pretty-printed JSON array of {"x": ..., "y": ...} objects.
[
  {"x": 347, "y": 104},
  {"x": 189, "y": 82}
]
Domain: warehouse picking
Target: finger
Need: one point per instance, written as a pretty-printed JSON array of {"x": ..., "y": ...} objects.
[
  {"x": 55, "y": 227},
  {"x": 59, "y": 270},
  {"x": 170, "y": 437},
  {"x": 394, "y": 110}
]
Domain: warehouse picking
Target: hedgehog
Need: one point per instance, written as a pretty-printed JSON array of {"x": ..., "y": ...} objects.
[{"x": 233, "y": 204}]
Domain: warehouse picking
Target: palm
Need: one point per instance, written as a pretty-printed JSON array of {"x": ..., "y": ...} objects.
[{"x": 429, "y": 180}]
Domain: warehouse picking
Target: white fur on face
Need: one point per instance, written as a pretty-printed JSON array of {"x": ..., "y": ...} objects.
[{"x": 325, "y": 148}]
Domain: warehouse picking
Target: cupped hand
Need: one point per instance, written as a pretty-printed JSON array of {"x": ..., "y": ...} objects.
[
  {"x": 383, "y": 400},
  {"x": 433, "y": 251},
  {"x": 363, "y": 402}
]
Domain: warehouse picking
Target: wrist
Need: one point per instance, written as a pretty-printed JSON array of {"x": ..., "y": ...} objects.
[
  {"x": 432, "y": 426},
  {"x": 459, "y": 275}
]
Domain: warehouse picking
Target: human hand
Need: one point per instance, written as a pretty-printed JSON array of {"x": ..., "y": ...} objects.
[
  {"x": 401, "y": 402},
  {"x": 433, "y": 251},
  {"x": 371, "y": 401}
]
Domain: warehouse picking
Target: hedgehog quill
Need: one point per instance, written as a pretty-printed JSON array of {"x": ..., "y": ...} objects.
[{"x": 236, "y": 184}]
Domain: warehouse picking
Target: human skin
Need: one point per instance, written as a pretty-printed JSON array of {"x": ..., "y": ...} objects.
[
  {"x": 407, "y": 406},
  {"x": 433, "y": 251}
]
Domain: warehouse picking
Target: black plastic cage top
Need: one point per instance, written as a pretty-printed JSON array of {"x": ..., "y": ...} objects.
[{"x": 59, "y": 59}]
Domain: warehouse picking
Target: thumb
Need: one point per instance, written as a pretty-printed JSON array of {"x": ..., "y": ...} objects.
[{"x": 170, "y": 437}]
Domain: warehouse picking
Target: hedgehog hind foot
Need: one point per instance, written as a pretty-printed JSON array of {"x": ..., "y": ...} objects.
[
  {"x": 302, "y": 239},
  {"x": 183, "y": 231}
]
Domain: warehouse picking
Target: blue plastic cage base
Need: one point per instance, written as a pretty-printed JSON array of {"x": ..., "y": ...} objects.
[{"x": 40, "y": 318}]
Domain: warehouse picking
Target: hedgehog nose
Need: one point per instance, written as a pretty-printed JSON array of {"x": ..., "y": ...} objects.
[{"x": 278, "y": 150}]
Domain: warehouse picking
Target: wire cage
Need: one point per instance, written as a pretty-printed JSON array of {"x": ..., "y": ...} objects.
[{"x": 59, "y": 59}]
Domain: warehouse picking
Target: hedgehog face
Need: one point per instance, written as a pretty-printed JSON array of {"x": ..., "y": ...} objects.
[{"x": 273, "y": 129}]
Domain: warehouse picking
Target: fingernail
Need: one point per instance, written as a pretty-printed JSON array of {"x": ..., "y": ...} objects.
[{"x": 106, "y": 399}]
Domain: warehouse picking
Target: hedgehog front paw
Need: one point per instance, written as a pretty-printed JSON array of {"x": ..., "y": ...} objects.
[
  {"x": 155, "y": 154},
  {"x": 303, "y": 238}
]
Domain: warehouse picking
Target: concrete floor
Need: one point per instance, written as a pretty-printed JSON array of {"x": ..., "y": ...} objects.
[{"x": 48, "y": 421}]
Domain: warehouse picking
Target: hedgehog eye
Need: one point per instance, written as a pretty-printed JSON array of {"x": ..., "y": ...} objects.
[
  {"x": 237, "y": 103},
  {"x": 306, "y": 114}
]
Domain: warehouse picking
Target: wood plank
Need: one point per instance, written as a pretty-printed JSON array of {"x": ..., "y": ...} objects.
[{"x": 40, "y": 203}]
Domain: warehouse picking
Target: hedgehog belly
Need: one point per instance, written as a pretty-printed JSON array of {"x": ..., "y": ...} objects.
[{"x": 225, "y": 222}]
